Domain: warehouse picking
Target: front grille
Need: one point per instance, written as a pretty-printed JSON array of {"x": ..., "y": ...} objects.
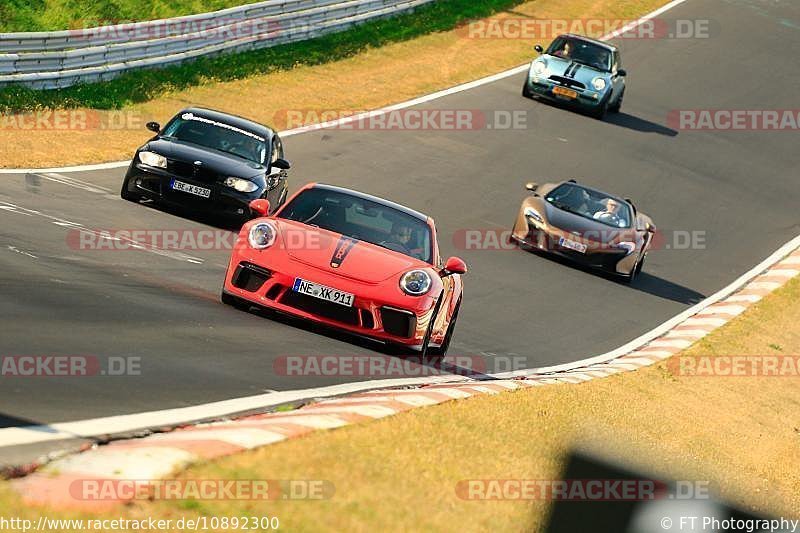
[
  {"x": 330, "y": 310},
  {"x": 366, "y": 319},
  {"x": 250, "y": 277},
  {"x": 567, "y": 82},
  {"x": 397, "y": 322},
  {"x": 191, "y": 171}
]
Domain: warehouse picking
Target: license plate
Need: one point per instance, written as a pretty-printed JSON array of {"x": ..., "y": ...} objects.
[
  {"x": 191, "y": 189},
  {"x": 566, "y": 93},
  {"x": 572, "y": 245},
  {"x": 322, "y": 292}
]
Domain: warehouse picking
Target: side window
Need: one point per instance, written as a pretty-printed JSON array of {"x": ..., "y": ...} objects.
[{"x": 616, "y": 65}]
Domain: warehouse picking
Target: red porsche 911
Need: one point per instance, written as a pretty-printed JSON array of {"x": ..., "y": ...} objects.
[{"x": 350, "y": 261}]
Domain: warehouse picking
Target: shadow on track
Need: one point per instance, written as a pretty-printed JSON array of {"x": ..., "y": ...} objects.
[
  {"x": 645, "y": 282},
  {"x": 624, "y": 120},
  {"x": 10, "y": 421}
]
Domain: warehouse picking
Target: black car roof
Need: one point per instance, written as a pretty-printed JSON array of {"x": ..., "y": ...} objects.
[
  {"x": 376, "y": 199},
  {"x": 589, "y": 40},
  {"x": 233, "y": 120}
]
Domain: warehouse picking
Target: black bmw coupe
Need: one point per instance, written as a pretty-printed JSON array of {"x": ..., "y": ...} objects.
[{"x": 211, "y": 162}]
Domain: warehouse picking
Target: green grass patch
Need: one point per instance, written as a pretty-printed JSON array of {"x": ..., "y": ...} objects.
[
  {"x": 53, "y": 15},
  {"x": 143, "y": 85}
]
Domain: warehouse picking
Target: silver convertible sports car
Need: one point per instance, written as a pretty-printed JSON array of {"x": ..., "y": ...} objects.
[{"x": 579, "y": 71}]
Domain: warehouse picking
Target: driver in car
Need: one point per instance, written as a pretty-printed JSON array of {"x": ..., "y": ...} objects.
[
  {"x": 403, "y": 235},
  {"x": 611, "y": 213},
  {"x": 565, "y": 51}
]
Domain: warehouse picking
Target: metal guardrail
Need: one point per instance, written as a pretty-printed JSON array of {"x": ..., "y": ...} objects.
[{"x": 47, "y": 60}]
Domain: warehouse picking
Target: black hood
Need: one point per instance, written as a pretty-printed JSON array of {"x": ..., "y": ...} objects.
[{"x": 213, "y": 161}]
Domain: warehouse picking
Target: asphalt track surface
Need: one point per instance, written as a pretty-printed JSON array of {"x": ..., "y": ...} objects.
[{"x": 739, "y": 188}]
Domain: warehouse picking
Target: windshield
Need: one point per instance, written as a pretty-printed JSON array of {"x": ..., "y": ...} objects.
[
  {"x": 194, "y": 129},
  {"x": 595, "y": 205},
  {"x": 362, "y": 220},
  {"x": 581, "y": 52}
]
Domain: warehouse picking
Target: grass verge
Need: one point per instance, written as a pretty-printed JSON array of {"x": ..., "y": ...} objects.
[
  {"x": 52, "y": 15},
  {"x": 368, "y": 67},
  {"x": 400, "y": 473}
]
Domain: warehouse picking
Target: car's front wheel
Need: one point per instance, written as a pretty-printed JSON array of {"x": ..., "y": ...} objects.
[
  {"x": 618, "y": 104},
  {"x": 126, "y": 194},
  {"x": 441, "y": 351},
  {"x": 526, "y": 90}
]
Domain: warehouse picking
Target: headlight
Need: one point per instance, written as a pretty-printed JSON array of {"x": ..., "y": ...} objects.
[
  {"x": 599, "y": 84},
  {"x": 262, "y": 235},
  {"x": 415, "y": 282},
  {"x": 241, "y": 185},
  {"x": 153, "y": 159},
  {"x": 627, "y": 246},
  {"x": 539, "y": 67},
  {"x": 532, "y": 213}
]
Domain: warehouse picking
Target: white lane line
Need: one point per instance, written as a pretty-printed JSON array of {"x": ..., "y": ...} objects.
[
  {"x": 377, "y": 112},
  {"x": 74, "y": 182},
  {"x": 178, "y": 256},
  {"x": 22, "y": 252}
]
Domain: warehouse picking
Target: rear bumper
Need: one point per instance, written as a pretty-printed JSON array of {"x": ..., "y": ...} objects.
[
  {"x": 156, "y": 184},
  {"x": 389, "y": 319}
]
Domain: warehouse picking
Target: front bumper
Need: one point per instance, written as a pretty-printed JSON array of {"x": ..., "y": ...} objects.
[
  {"x": 156, "y": 184},
  {"x": 540, "y": 238},
  {"x": 395, "y": 319},
  {"x": 586, "y": 99}
]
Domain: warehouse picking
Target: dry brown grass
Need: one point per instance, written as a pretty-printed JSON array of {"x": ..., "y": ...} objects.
[{"x": 372, "y": 79}]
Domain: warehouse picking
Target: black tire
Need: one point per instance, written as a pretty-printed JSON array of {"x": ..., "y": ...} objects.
[
  {"x": 618, "y": 104},
  {"x": 234, "y": 301},
  {"x": 448, "y": 336},
  {"x": 125, "y": 194},
  {"x": 637, "y": 269},
  {"x": 601, "y": 111},
  {"x": 425, "y": 349},
  {"x": 526, "y": 91}
]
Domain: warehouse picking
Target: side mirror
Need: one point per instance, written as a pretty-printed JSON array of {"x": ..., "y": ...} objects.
[
  {"x": 153, "y": 126},
  {"x": 532, "y": 186},
  {"x": 260, "y": 207},
  {"x": 651, "y": 227},
  {"x": 281, "y": 164},
  {"x": 454, "y": 265},
  {"x": 622, "y": 72},
  {"x": 539, "y": 48}
]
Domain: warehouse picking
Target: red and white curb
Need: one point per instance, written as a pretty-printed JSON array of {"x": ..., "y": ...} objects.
[{"x": 157, "y": 456}]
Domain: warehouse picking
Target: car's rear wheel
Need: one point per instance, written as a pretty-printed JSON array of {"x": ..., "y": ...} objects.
[{"x": 441, "y": 351}]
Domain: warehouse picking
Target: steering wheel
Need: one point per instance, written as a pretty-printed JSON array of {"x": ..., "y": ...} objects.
[
  {"x": 395, "y": 246},
  {"x": 609, "y": 217}
]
